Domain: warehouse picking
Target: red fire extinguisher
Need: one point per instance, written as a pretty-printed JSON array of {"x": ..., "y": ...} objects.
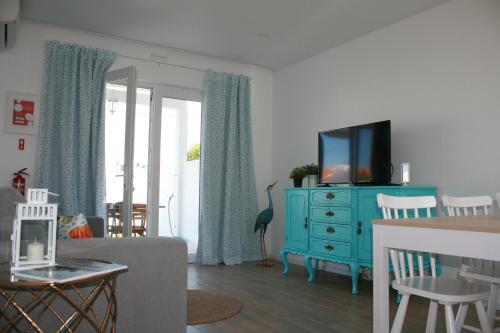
[{"x": 19, "y": 181}]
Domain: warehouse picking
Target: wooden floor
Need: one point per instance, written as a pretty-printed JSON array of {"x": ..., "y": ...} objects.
[{"x": 276, "y": 303}]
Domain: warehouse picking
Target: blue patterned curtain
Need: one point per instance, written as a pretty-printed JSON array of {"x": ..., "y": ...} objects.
[
  {"x": 228, "y": 196},
  {"x": 70, "y": 156}
]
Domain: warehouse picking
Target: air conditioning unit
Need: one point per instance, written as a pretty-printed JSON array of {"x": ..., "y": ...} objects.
[{"x": 9, "y": 22}]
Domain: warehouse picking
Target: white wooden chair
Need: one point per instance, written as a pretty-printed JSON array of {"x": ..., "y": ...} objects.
[
  {"x": 438, "y": 290},
  {"x": 476, "y": 269}
]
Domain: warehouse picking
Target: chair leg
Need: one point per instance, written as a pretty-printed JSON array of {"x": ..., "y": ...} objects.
[
  {"x": 431, "y": 317},
  {"x": 397, "y": 326},
  {"x": 461, "y": 314},
  {"x": 492, "y": 304},
  {"x": 483, "y": 319},
  {"x": 450, "y": 319}
]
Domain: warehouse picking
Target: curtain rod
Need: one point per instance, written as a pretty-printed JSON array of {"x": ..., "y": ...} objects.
[{"x": 159, "y": 62}]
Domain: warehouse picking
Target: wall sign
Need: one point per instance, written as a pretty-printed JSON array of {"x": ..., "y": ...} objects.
[{"x": 21, "y": 113}]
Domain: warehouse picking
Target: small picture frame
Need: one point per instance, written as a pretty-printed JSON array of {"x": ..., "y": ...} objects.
[
  {"x": 22, "y": 113},
  {"x": 405, "y": 173}
]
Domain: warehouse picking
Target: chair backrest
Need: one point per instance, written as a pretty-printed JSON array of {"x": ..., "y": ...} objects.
[
  {"x": 139, "y": 212},
  {"x": 393, "y": 206},
  {"x": 403, "y": 207},
  {"x": 464, "y": 206}
]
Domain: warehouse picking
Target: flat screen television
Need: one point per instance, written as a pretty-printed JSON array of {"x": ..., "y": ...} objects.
[{"x": 356, "y": 155}]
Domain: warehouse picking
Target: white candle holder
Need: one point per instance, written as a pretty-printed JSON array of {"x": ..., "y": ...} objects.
[{"x": 41, "y": 217}]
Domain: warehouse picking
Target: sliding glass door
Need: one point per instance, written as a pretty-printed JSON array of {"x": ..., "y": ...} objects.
[{"x": 175, "y": 164}]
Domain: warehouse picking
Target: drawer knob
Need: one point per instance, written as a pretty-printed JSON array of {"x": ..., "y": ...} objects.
[
  {"x": 330, "y": 230},
  {"x": 330, "y": 195},
  {"x": 329, "y": 247},
  {"x": 329, "y": 213}
]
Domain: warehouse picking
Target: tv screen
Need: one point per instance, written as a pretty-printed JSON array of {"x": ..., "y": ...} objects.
[
  {"x": 336, "y": 162},
  {"x": 358, "y": 154}
]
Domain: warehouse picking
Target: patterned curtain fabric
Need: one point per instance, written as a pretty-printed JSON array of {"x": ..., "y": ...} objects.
[
  {"x": 70, "y": 156},
  {"x": 228, "y": 196}
]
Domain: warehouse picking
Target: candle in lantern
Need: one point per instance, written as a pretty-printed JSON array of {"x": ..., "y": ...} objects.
[{"x": 35, "y": 251}]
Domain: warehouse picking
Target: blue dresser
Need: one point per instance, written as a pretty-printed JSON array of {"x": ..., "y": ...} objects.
[{"x": 334, "y": 224}]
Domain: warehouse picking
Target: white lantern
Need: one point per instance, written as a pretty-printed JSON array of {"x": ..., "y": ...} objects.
[{"x": 34, "y": 233}]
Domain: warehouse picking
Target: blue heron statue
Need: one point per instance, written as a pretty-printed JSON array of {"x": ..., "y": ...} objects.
[{"x": 263, "y": 219}]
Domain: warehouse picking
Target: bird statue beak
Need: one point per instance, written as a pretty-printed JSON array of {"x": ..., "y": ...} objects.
[{"x": 271, "y": 186}]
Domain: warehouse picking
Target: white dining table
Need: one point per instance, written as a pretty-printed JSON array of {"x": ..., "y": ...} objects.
[{"x": 463, "y": 236}]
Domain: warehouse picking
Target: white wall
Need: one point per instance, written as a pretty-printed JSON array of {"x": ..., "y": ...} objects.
[
  {"x": 21, "y": 70},
  {"x": 436, "y": 76}
]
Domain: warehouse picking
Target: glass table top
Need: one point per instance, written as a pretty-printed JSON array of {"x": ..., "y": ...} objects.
[{"x": 11, "y": 279}]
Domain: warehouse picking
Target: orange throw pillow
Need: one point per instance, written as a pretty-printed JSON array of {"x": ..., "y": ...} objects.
[{"x": 73, "y": 227}]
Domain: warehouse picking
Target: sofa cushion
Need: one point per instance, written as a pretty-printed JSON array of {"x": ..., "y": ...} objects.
[
  {"x": 72, "y": 227},
  {"x": 97, "y": 226}
]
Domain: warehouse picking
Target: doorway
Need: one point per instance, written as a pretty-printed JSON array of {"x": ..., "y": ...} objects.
[
  {"x": 115, "y": 137},
  {"x": 175, "y": 170},
  {"x": 155, "y": 148}
]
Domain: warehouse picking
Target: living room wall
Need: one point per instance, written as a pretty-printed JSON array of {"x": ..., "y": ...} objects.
[
  {"x": 21, "y": 71},
  {"x": 436, "y": 76}
]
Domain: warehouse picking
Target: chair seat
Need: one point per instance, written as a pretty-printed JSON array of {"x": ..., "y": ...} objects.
[
  {"x": 487, "y": 274},
  {"x": 443, "y": 289}
]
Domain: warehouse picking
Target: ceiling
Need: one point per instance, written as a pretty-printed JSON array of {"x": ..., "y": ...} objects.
[{"x": 270, "y": 33}]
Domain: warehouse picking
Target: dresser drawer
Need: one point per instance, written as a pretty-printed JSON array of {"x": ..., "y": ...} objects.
[
  {"x": 340, "y": 232},
  {"x": 322, "y": 197},
  {"x": 331, "y": 214},
  {"x": 331, "y": 248}
]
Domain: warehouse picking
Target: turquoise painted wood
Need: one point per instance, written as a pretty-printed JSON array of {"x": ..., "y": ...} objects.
[
  {"x": 367, "y": 210},
  {"x": 335, "y": 224},
  {"x": 297, "y": 220},
  {"x": 333, "y": 231}
]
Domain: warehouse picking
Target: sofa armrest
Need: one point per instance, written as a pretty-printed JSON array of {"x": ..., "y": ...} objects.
[{"x": 151, "y": 295}]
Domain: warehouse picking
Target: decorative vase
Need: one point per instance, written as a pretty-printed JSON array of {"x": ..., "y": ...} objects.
[
  {"x": 297, "y": 182},
  {"x": 312, "y": 180}
]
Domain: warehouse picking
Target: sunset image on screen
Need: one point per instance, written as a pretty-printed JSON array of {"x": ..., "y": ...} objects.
[
  {"x": 336, "y": 166},
  {"x": 341, "y": 171}
]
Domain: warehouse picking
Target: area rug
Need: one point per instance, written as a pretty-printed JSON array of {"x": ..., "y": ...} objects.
[{"x": 205, "y": 307}]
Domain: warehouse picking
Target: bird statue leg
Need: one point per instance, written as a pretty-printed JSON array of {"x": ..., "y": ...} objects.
[
  {"x": 265, "y": 254},
  {"x": 264, "y": 261},
  {"x": 261, "y": 239}
]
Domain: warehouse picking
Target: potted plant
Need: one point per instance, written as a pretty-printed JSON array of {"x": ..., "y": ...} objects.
[
  {"x": 297, "y": 175},
  {"x": 311, "y": 171}
]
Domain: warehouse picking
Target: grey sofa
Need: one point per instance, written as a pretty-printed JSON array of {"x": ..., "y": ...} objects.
[{"x": 151, "y": 295}]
